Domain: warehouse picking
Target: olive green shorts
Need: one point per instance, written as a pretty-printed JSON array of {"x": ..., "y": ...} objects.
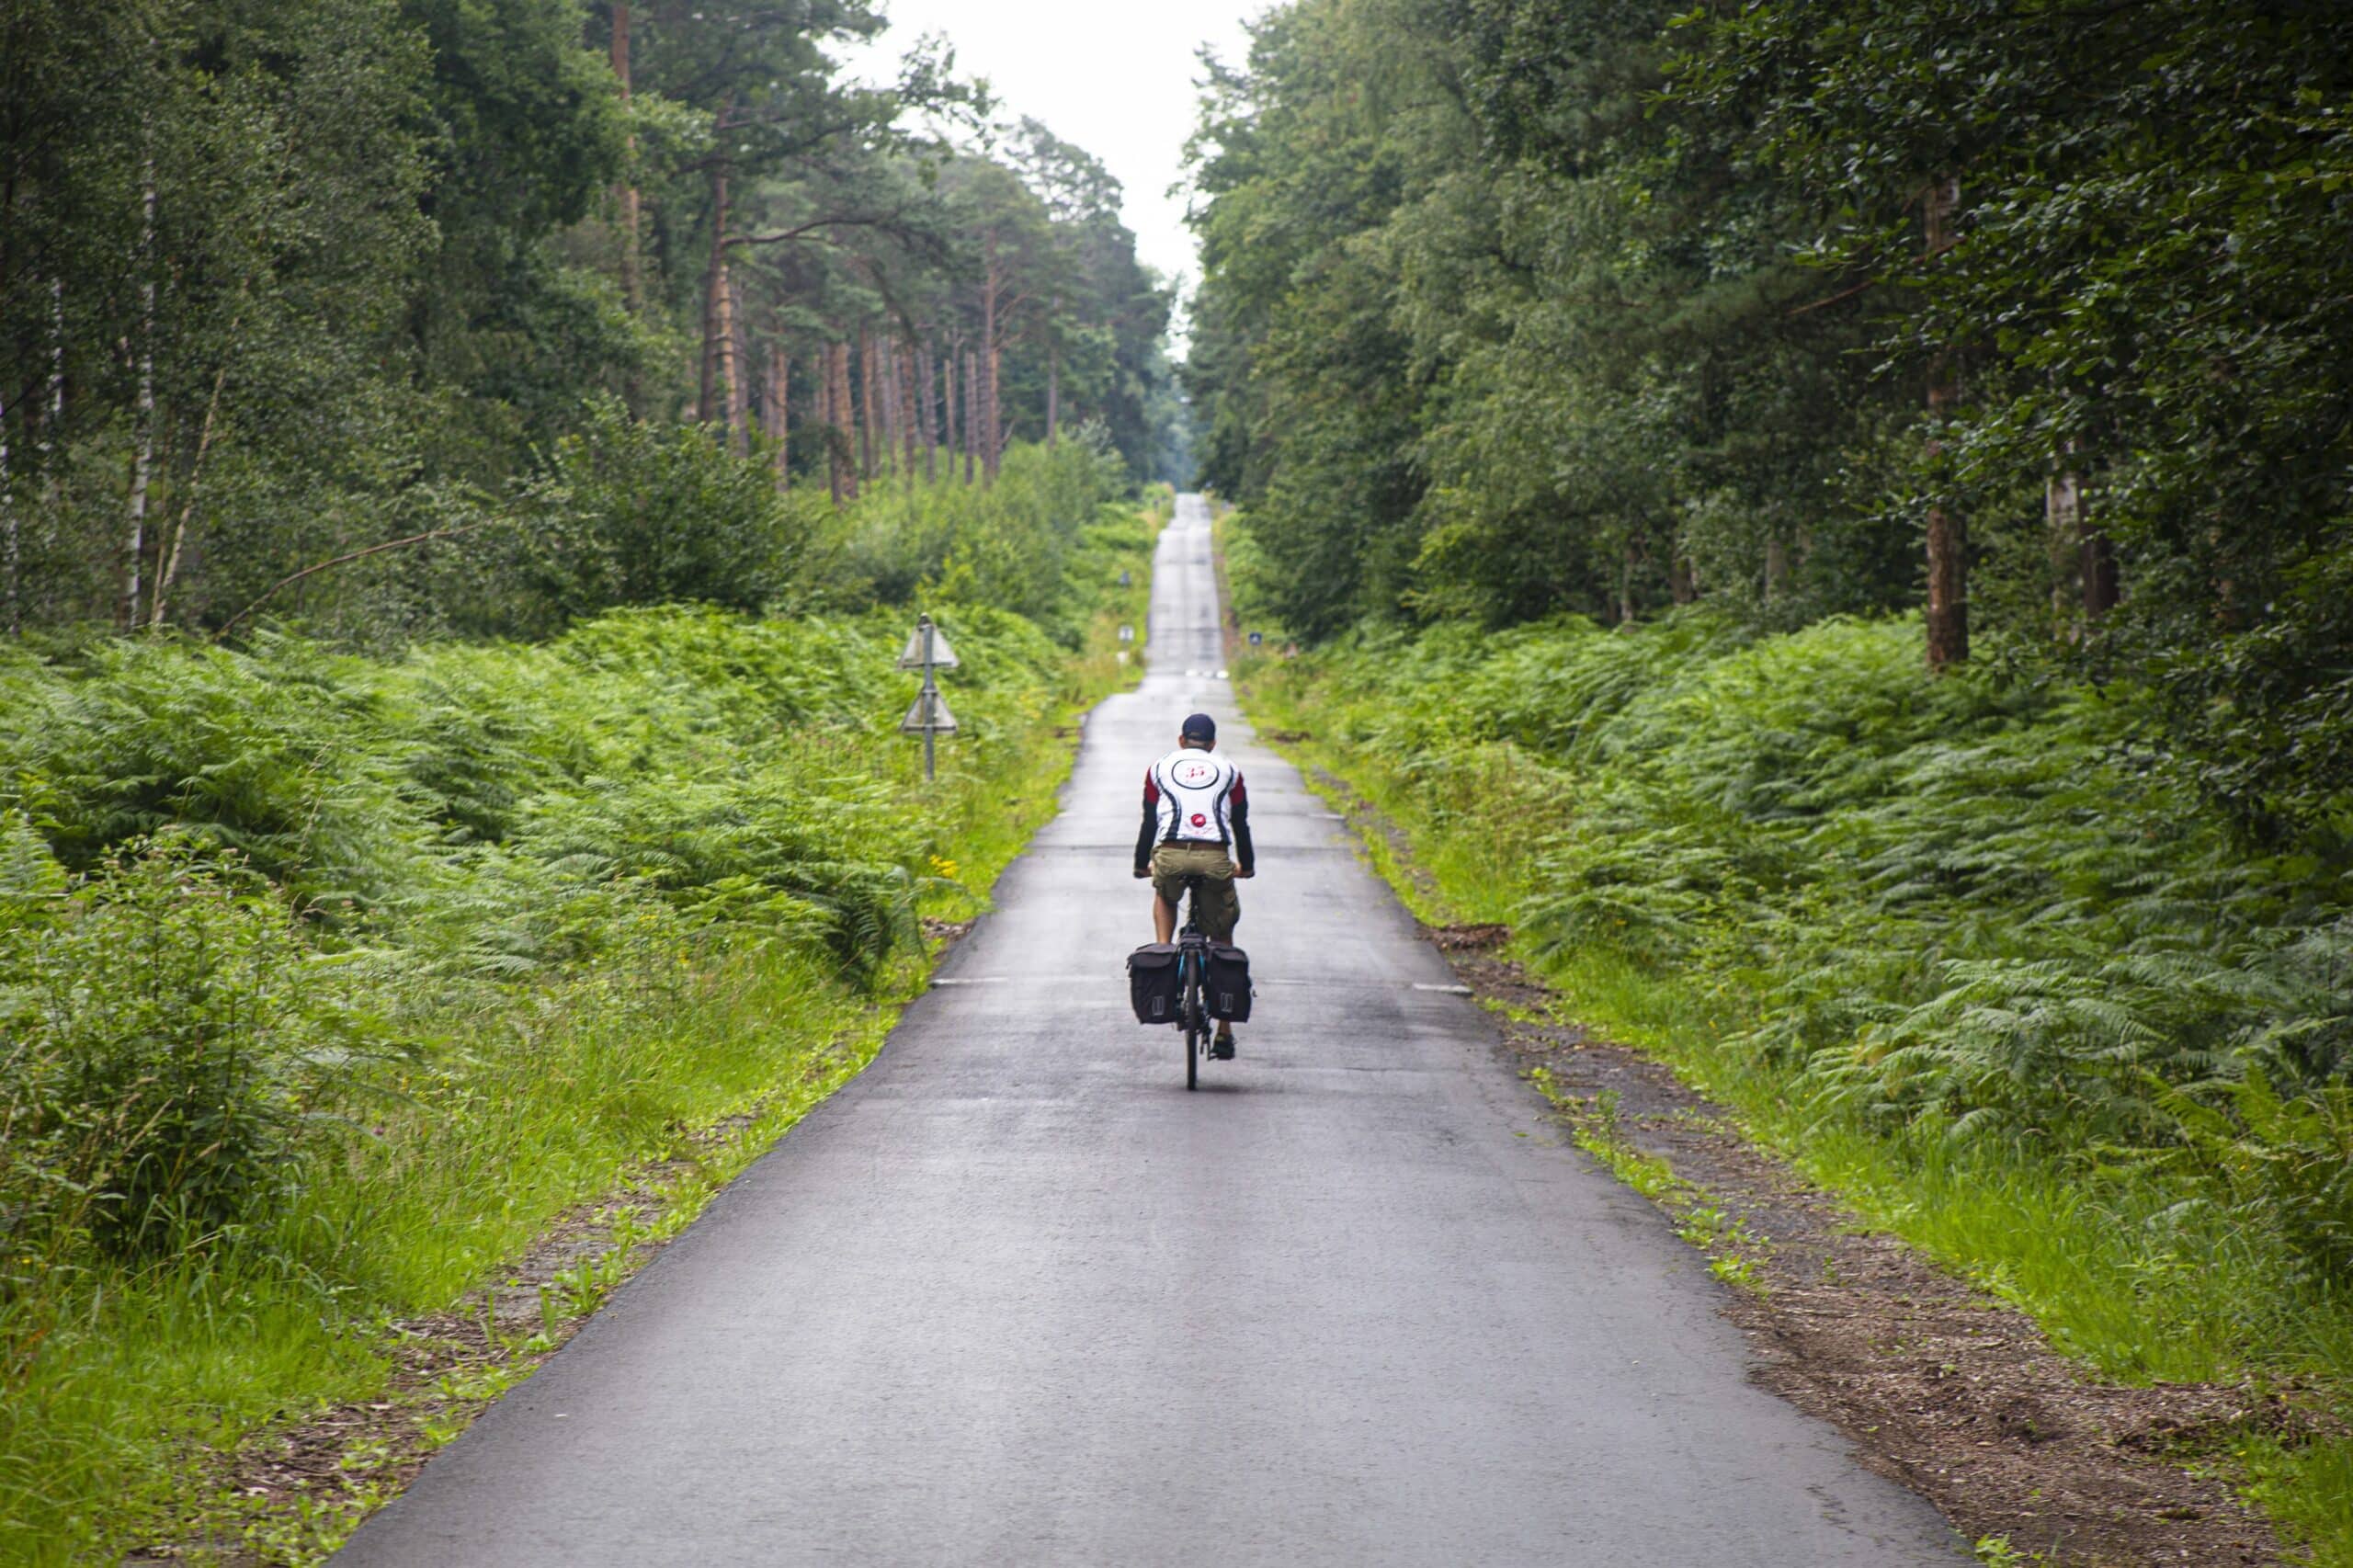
[{"x": 1221, "y": 907}]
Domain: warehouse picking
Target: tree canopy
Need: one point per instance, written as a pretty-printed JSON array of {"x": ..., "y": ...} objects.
[
  {"x": 284, "y": 282},
  {"x": 2032, "y": 315}
]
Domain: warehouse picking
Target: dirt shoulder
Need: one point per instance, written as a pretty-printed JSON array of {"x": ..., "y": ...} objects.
[{"x": 1939, "y": 1385}]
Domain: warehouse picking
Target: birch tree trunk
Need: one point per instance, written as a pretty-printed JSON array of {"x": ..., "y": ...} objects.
[
  {"x": 731, "y": 369},
  {"x": 11, "y": 556},
  {"x": 56, "y": 419},
  {"x": 169, "y": 570},
  {"x": 143, "y": 462},
  {"x": 2062, "y": 536},
  {"x": 1948, "y": 616}
]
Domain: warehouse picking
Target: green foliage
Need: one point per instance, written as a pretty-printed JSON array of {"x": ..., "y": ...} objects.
[
  {"x": 170, "y": 1032},
  {"x": 633, "y": 513},
  {"x": 1963, "y": 906}
]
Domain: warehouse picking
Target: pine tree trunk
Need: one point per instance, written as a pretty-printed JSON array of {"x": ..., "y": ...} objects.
[
  {"x": 775, "y": 408},
  {"x": 143, "y": 462},
  {"x": 706, "y": 401},
  {"x": 952, "y": 394},
  {"x": 886, "y": 377},
  {"x": 1777, "y": 567},
  {"x": 866, "y": 403},
  {"x": 928, "y": 421},
  {"x": 971, "y": 411},
  {"x": 631, "y": 284},
  {"x": 825, "y": 419},
  {"x": 844, "y": 445},
  {"x": 1681, "y": 587},
  {"x": 1053, "y": 395},
  {"x": 1947, "y": 614},
  {"x": 990, "y": 412},
  {"x": 902, "y": 365}
]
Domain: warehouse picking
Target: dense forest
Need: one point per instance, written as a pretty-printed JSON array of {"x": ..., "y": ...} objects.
[
  {"x": 280, "y": 283},
  {"x": 1832, "y": 521},
  {"x": 2031, "y": 317}
]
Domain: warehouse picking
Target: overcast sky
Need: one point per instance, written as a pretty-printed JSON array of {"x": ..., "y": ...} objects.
[{"x": 1116, "y": 78}]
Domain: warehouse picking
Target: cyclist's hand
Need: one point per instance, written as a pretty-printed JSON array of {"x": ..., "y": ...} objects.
[
  {"x": 1142, "y": 871},
  {"x": 1246, "y": 875}
]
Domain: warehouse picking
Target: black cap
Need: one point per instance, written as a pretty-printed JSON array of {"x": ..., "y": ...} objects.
[{"x": 1198, "y": 727}]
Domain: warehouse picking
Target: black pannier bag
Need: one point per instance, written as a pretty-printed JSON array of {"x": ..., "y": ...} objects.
[
  {"x": 1156, "y": 984},
  {"x": 1227, "y": 988}
]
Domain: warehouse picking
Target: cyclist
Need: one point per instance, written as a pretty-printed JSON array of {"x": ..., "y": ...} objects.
[{"x": 1194, "y": 810}]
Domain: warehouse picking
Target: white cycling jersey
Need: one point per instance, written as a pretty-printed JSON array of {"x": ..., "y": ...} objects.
[{"x": 1195, "y": 793}]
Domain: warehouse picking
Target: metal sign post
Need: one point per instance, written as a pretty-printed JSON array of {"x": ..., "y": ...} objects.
[{"x": 928, "y": 651}]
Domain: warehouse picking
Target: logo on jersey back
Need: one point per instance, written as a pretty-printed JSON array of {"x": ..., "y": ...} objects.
[{"x": 1199, "y": 821}]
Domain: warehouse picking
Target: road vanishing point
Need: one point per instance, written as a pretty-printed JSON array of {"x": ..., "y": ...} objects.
[{"x": 1014, "y": 1296}]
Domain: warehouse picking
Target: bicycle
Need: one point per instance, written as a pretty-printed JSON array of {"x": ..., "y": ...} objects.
[{"x": 1193, "y": 969}]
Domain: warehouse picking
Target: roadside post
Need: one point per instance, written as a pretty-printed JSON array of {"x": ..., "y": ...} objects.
[{"x": 927, "y": 651}]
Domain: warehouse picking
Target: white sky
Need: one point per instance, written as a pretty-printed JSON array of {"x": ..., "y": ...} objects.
[{"x": 1116, "y": 78}]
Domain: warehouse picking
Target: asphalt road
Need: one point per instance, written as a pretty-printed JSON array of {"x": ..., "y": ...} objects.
[{"x": 1014, "y": 1296}]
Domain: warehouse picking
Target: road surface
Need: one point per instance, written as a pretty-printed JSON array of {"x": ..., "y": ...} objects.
[{"x": 1014, "y": 1296}]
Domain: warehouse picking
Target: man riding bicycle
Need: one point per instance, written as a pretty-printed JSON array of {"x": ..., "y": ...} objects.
[{"x": 1194, "y": 810}]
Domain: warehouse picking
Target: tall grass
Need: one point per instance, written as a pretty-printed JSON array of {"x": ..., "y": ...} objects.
[
  {"x": 1948, "y": 942},
  {"x": 327, "y": 981}
]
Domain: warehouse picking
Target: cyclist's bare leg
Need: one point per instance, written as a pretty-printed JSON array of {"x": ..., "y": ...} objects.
[{"x": 1164, "y": 919}]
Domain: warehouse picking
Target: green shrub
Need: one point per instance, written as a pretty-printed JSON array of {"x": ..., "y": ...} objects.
[
  {"x": 1962, "y": 906},
  {"x": 170, "y": 1037}
]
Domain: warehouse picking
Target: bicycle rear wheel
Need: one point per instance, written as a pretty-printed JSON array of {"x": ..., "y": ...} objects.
[{"x": 1196, "y": 1026}]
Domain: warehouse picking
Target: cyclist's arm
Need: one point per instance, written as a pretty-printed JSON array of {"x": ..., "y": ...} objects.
[
  {"x": 1145, "y": 834},
  {"x": 1245, "y": 862}
]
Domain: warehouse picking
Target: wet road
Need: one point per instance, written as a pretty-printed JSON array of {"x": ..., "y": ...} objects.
[{"x": 1014, "y": 1296}]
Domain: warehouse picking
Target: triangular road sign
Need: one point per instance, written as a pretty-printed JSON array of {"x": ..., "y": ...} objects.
[
  {"x": 943, "y": 657},
  {"x": 929, "y": 712}
]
